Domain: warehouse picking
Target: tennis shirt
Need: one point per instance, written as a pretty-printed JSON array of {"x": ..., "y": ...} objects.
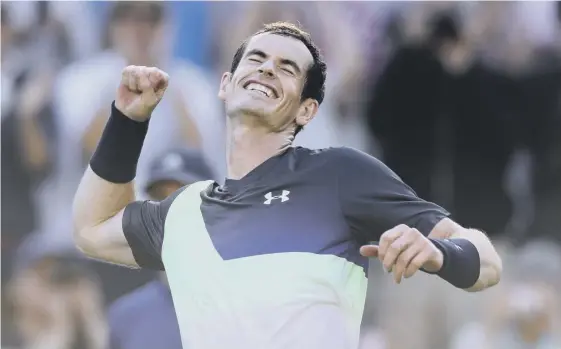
[{"x": 272, "y": 260}]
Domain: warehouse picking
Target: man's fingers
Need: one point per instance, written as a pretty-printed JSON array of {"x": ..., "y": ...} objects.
[
  {"x": 388, "y": 238},
  {"x": 159, "y": 80},
  {"x": 134, "y": 80},
  {"x": 139, "y": 79},
  {"x": 403, "y": 261},
  {"x": 416, "y": 263},
  {"x": 370, "y": 251},
  {"x": 126, "y": 77},
  {"x": 144, "y": 83},
  {"x": 395, "y": 249},
  {"x": 154, "y": 75}
]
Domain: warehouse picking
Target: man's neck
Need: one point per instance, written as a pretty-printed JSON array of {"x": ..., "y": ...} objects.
[{"x": 250, "y": 145}]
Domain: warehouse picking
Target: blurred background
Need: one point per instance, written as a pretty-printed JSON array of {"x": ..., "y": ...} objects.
[{"x": 461, "y": 99}]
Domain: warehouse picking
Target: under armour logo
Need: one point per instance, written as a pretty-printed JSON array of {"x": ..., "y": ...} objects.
[{"x": 269, "y": 197}]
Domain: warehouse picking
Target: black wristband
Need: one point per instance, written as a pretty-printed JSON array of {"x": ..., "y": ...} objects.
[
  {"x": 461, "y": 264},
  {"x": 118, "y": 150}
]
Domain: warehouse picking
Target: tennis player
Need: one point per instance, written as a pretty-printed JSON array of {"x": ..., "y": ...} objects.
[{"x": 275, "y": 257}]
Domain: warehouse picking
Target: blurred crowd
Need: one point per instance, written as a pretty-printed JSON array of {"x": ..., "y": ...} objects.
[{"x": 461, "y": 99}]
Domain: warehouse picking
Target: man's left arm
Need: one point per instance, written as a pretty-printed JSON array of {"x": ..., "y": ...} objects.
[
  {"x": 411, "y": 234},
  {"x": 490, "y": 269}
]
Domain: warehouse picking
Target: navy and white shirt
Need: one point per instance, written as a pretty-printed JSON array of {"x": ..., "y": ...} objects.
[{"x": 272, "y": 260}]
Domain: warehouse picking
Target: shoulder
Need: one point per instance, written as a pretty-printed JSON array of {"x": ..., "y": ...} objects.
[
  {"x": 345, "y": 163},
  {"x": 340, "y": 157},
  {"x": 191, "y": 193},
  {"x": 357, "y": 169}
]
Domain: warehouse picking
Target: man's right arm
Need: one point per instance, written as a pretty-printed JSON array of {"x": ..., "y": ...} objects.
[
  {"x": 109, "y": 224},
  {"x": 133, "y": 236},
  {"x": 99, "y": 207}
]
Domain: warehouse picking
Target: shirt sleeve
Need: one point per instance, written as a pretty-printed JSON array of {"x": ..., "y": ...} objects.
[
  {"x": 143, "y": 225},
  {"x": 374, "y": 199}
]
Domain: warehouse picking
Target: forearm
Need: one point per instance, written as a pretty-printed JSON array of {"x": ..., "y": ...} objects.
[
  {"x": 491, "y": 263},
  {"x": 107, "y": 188},
  {"x": 97, "y": 200}
]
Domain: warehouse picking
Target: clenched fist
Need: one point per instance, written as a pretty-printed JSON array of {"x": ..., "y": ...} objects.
[
  {"x": 404, "y": 251},
  {"x": 140, "y": 91}
]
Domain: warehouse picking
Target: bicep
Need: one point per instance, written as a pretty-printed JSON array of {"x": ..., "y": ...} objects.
[
  {"x": 107, "y": 242},
  {"x": 133, "y": 237}
]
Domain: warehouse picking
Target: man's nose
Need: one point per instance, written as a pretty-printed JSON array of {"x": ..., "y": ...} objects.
[{"x": 267, "y": 69}]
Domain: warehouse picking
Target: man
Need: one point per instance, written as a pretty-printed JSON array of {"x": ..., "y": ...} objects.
[
  {"x": 271, "y": 258},
  {"x": 145, "y": 318}
]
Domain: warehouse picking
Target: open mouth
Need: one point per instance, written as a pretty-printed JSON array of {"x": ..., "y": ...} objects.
[{"x": 265, "y": 90}]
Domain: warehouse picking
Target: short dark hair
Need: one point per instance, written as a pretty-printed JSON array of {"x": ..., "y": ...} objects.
[
  {"x": 314, "y": 87},
  {"x": 443, "y": 27}
]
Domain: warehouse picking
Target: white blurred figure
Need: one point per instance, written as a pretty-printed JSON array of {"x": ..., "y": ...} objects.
[
  {"x": 524, "y": 312},
  {"x": 138, "y": 34},
  {"x": 44, "y": 21},
  {"x": 525, "y": 319}
]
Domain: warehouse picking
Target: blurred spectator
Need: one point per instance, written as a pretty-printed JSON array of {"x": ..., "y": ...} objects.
[
  {"x": 525, "y": 320},
  {"x": 405, "y": 104},
  {"x": 540, "y": 109},
  {"x": 524, "y": 311},
  {"x": 57, "y": 302},
  {"x": 25, "y": 136},
  {"x": 62, "y": 31},
  {"x": 146, "y": 318},
  {"x": 36, "y": 42}
]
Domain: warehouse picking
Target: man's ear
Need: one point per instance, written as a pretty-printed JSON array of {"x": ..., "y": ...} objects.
[
  {"x": 224, "y": 84},
  {"x": 307, "y": 111}
]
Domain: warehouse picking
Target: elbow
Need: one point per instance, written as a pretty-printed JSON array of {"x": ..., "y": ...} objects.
[
  {"x": 490, "y": 274},
  {"x": 84, "y": 242},
  {"x": 80, "y": 240},
  {"x": 494, "y": 269}
]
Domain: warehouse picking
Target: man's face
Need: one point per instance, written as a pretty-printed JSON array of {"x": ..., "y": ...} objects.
[
  {"x": 268, "y": 83},
  {"x": 161, "y": 190}
]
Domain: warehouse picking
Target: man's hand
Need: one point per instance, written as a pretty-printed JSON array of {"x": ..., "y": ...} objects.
[
  {"x": 404, "y": 251},
  {"x": 140, "y": 91}
]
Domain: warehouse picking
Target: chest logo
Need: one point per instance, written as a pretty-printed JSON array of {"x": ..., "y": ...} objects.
[{"x": 269, "y": 197}]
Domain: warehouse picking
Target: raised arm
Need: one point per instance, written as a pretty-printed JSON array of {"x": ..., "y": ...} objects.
[{"x": 109, "y": 224}]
